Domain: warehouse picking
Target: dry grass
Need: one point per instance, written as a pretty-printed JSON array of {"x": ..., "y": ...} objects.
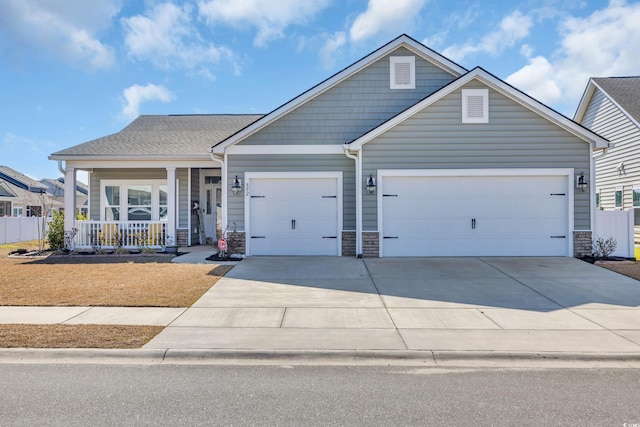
[
  {"x": 631, "y": 270},
  {"x": 134, "y": 281},
  {"x": 104, "y": 281},
  {"x": 76, "y": 336}
]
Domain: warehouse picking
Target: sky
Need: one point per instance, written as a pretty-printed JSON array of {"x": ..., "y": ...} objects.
[{"x": 75, "y": 70}]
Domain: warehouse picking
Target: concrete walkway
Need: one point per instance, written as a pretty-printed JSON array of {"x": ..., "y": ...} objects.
[{"x": 475, "y": 305}]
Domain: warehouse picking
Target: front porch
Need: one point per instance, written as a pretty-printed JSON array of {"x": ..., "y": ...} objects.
[{"x": 126, "y": 234}]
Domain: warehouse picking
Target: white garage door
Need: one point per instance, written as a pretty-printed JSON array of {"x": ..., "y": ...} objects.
[
  {"x": 474, "y": 216},
  {"x": 294, "y": 216}
]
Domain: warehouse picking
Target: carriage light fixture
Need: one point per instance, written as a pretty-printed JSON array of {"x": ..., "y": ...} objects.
[
  {"x": 236, "y": 187},
  {"x": 581, "y": 182},
  {"x": 371, "y": 184}
]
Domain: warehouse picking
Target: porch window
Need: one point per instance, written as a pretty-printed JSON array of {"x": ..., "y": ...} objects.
[
  {"x": 139, "y": 202},
  {"x": 5, "y": 208},
  {"x": 145, "y": 200},
  {"x": 112, "y": 203}
]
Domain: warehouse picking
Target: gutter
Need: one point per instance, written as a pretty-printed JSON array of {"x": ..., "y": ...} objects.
[
  {"x": 62, "y": 170},
  {"x": 358, "y": 179}
]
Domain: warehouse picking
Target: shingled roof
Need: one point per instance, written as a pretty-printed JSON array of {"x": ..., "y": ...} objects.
[
  {"x": 625, "y": 91},
  {"x": 173, "y": 136}
]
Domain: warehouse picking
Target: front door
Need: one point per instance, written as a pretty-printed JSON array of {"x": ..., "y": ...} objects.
[{"x": 211, "y": 209}]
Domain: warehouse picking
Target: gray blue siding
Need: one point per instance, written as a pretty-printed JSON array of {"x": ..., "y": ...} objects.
[
  {"x": 515, "y": 137},
  {"x": 358, "y": 104}
]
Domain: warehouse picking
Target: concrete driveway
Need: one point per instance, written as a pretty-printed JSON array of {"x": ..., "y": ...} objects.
[{"x": 439, "y": 304}]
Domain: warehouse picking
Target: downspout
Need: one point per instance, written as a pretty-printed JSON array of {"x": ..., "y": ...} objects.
[
  {"x": 223, "y": 173},
  {"x": 62, "y": 170},
  {"x": 592, "y": 189},
  {"x": 358, "y": 178}
]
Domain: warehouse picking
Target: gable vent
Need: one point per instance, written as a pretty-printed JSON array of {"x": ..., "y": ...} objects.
[
  {"x": 402, "y": 72},
  {"x": 475, "y": 105}
]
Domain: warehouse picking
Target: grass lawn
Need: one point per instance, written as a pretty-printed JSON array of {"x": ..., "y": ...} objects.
[{"x": 96, "y": 281}]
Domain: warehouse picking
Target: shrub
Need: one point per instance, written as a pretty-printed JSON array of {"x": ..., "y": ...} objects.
[
  {"x": 604, "y": 248},
  {"x": 55, "y": 235}
]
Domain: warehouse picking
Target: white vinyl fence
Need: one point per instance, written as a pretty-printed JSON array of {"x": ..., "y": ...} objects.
[
  {"x": 20, "y": 229},
  {"x": 619, "y": 225}
]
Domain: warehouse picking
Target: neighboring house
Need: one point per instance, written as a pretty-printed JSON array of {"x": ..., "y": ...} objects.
[
  {"x": 611, "y": 107},
  {"x": 55, "y": 187},
  {"x": 23, "y": 196},
  {"x": 403, "y": 153}
]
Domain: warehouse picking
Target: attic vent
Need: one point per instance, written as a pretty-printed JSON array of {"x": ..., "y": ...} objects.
[
  {"x": 475, "y": 106},
  {"x": 402, "y": 72}
]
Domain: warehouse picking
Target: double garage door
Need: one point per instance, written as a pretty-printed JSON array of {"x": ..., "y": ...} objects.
[
  {"x": 474, "y": 215},
  {"x": 294, "y": 215},
  {"x": 419, "y": 214}
]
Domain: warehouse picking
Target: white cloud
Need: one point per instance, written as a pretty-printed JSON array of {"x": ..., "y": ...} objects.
[
  {"x": 513, "y": 28},
  {"x": 384, "y": 15},
  {"x": 602, "y": 44},
  {"x": 65, "y": 29},
  {"x": 270, "y": 18},
  {"x": 167, "y": 37},
  {"x": 136, "y": 95},
  {"x": 331, "y": 47}
]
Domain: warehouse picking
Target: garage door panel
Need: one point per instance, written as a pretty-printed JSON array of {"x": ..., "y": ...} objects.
[
  {"x": 294, "y": 216},
  {"x": 475, "y": 215}
]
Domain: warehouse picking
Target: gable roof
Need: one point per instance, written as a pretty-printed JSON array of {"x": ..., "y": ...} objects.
[
  {"x": 5, "y": 190},
  {"x": 401, "y": 41},
  {"x": 20, "y": 180},
  {"x": 500, "y": 86},
  {"x": 624, "y": 92},
  {"x": 56, "y": 187},
  {"x": 175, "y": 136}
]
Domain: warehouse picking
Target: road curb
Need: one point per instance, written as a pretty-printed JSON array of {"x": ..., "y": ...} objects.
[{"x": 317, "y": 357}]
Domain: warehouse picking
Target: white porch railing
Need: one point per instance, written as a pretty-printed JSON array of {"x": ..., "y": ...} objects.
[{"x": 128, "y": 234}]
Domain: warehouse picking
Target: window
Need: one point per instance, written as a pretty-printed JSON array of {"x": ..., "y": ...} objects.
[
  {"x": 112, "y": 203},
  {"x": 597, "y": 198},
  {"x": 402, "y": 73},
  {"x": 475, "y": 105},
  {"x": 145, "y": 200},
  {"x": 618, "y": 198},
  {"x": 17, "y": 211},
  {"x": 636, "y": 195},
  {"x": 5, "y": 208}
]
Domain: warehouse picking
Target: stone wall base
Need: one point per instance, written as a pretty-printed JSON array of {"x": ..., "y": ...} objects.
[
  {"x": 182, "y": 237},
  {"x": 370, "y": 244},
  {"x": 348, "y": 243},
  {"x": 582, "y": 244}
]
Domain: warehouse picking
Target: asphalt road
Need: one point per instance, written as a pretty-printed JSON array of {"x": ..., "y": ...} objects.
[{"x": 86, "y": 395}]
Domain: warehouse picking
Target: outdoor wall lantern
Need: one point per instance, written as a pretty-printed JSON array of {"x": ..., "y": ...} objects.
[
  {"x": 371, "y": 184},
  {"x": 236, "y": 187},
  {"x": 581, "y": 182}
]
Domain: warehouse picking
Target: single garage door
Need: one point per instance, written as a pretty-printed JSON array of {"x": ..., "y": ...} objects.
[
  {"x": 294, "y": 216},
  {"x": 474, "y": 216}
]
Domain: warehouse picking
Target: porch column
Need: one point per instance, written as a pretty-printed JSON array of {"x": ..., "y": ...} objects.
[
  {"x": 69, "y": 199},
  {"x": 171, "y": 204}
]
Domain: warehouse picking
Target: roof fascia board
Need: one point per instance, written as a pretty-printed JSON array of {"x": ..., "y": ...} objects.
[
  {"x": 402, "y": 41},
  {"x": 82, "y": 164},
  {"x": 498, "y": 85},
  {"x": 585, "y": 100},
  {"x": 132, "y": 157}
]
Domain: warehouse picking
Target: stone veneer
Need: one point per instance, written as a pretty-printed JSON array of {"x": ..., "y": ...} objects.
[
  {"x": 238, "y": 245},
  {"x": 348, "y": 243},
  {"x": 582, "y": 244},
  {"x": 370, "y": 244},
  {"x": 182, "y": 237}
]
